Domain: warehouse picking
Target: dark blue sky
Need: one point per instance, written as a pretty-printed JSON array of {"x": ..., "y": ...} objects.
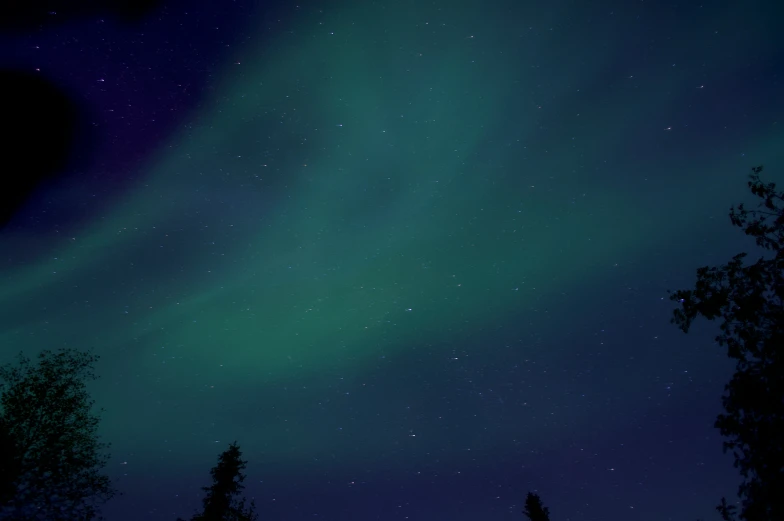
[{"x": 413, "y": 258}]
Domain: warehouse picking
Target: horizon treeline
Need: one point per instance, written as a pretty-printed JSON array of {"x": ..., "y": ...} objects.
[{"x": 52, "y": 464}]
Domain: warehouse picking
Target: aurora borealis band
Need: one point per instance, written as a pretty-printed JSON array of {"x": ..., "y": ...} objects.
[{"x": 413, "y": 256}]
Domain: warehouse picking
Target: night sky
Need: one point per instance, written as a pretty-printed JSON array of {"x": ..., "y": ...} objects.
[{"x": 413, "y": 256}]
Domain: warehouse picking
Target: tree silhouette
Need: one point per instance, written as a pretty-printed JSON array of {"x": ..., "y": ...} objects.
[
  {"x": 50, "y": 465},
  {"x": 747, "y": 299},
  {"x": 534, "y": 509},
  {"x": 222, "y": 502}
]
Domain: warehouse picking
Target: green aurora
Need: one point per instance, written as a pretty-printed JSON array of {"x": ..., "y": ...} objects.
[{"x": 375, "y": 189}]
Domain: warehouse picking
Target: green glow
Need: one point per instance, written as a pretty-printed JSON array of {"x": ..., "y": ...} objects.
[{"x": 374, "y": 183}]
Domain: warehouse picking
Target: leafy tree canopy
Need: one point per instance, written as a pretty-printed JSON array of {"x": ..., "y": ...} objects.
[
  {"x": 747, "y": 300},
  {"x": 51, "y": 463}
]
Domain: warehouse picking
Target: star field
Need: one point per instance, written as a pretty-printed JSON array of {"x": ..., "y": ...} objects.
[{"x": 413, "y": 256}]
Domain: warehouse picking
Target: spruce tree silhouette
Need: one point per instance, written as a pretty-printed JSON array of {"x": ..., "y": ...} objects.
[
  {"x": 534, "y": 509},
  {"x": 50, "y": 462},
  {"x": 222, "y": 502},
  {"x": 748, "y": 301}
]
